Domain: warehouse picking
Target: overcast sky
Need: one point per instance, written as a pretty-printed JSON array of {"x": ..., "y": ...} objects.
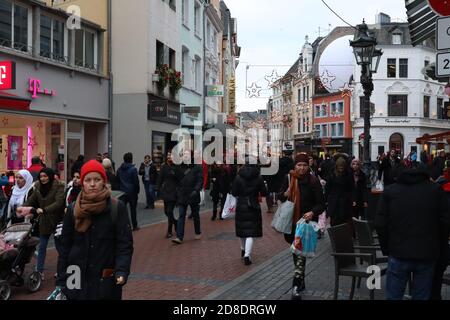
[{"x": 272, "y": 33}]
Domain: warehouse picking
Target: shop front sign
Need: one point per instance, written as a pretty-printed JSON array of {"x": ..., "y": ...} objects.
[
  {"x": 159, "y": 110},
  {"x": 7, "y": 75},
  {"x": 35, "y": 87}
]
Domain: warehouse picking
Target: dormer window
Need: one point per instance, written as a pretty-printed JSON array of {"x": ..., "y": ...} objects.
[{"x": 397, "y": 38}]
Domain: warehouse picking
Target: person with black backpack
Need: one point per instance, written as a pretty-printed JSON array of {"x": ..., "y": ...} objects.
[{"x": 96, "y": 240}]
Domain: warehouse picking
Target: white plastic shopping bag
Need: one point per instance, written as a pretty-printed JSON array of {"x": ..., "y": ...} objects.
[{"x": 229, "y": 208}]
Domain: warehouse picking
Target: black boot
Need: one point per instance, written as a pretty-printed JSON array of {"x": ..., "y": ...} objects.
[{"x": 298, "y": 286}]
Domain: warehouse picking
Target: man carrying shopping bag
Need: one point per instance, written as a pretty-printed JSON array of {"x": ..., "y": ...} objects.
[{"x": 306, "y": 193}]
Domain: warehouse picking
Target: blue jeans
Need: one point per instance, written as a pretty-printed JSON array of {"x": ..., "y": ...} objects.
[
  {"x": 42, "y": 252},
  {"x": 195, "y": 208},
  {"x": 399, "y": 273},
  {"x": 150, "y": 194}
]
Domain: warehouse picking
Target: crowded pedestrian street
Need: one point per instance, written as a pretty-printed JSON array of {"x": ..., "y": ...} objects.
[{"x": 199, "y": 151}]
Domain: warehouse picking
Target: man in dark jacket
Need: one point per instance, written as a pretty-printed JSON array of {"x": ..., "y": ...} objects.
[
  {"x": 149, "y": 175},
  {"x": 167, "y": 189},
  {"x": 326, "y": 167},
  {"x": 390, "y": 168},
  {"x": 438, "y": 165},
  {"x": 127, "y": 176},
  {"x": 360, "y": 191},
  {"x": 411, "y": 220},
  {"x": 190, "y": 177}
]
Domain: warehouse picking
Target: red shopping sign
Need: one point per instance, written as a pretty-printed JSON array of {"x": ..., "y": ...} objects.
[
  {"x": 7, "y": 75},
  {"x": 441, "y": 7}
]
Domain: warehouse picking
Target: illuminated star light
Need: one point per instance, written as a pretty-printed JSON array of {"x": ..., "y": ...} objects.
[
  {"x": 40, "y": 125},
  {"x": 42, "y": 156},
  {"x": 271, "y": 79},
  {"x": 327, "y": 80},
  {"x": 254, "y": 91},
  {"x": 5, "y": 121},
  {"x": 346, "y": 90}
]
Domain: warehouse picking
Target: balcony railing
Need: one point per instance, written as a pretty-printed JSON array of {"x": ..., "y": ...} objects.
[{"x": 16, "y": 46}]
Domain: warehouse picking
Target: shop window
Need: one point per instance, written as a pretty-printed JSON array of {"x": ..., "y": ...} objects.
[{"x": 25, "y": 137}]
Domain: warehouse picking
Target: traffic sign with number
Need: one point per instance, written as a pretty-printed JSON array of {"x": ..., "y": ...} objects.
[
  {"x": 443, "y": 33},
  {"x": 443, "y": 64}
]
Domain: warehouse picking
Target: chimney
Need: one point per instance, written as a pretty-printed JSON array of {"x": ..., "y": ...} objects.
[{"x": 382, "y": 18}]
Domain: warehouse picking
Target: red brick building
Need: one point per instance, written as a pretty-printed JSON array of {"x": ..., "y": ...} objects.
[{"x": 332, "y": 123}]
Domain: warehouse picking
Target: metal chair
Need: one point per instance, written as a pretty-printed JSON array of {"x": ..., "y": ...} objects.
[
  {"x": 345, "y": 258},
  {"x": 365, "y": 238}
]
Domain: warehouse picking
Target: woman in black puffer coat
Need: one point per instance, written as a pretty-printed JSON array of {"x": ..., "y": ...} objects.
[{"x": 247, "y": 186}]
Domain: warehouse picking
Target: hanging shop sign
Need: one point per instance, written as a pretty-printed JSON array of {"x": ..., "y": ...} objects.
[
  {"x": 7, "y": 75},
  {"x": 159, "y": 110},
  {"x": 215, "y": 91},
  {"x": 35, "y": 87}
]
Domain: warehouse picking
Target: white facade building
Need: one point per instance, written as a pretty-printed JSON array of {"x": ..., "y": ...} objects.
[{"x": 407, "y": 104}]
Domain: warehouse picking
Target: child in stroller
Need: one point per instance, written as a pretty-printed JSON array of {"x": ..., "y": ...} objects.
[{"x": 17, "y": 247}]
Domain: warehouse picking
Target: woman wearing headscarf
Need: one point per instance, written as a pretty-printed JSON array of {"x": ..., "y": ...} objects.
[
  {"x": 21, "y": 191},
  {"x": 305, "y": 191},
  {"x": 339, "y": 193},
  {"x": 47, "y": 204},
  {"x": 97, "y": 238}
]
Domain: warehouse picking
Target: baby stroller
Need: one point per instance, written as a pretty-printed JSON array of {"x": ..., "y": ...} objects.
[{"x": 17, "y": 247}]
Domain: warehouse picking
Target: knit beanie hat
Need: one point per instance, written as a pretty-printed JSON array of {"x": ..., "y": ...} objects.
[
  {"x": 341, "y": 163},
  {"x": 93, "y": 166},
  {"x": 302, "y": 157}
]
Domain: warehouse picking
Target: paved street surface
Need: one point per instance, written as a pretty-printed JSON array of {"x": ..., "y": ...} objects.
[{"x": 212, "y": 269}]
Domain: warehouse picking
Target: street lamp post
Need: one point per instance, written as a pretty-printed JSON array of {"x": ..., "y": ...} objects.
[{"x": 369, "y": 59}]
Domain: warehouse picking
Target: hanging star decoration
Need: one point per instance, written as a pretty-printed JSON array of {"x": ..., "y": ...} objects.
[
  {"x": 327, "y": 79},
  {"x": 5, "y": 121},
  {"x": 254, "y": 91},
  {"x": 42, "y": 156},
  {"x": 346, "y": 90},
  {"x": 319, "y": 83},
  {"x": 32, "y": 142},
  {"x": 40, "y": 125},
  {"x": 272, "y": 78}
]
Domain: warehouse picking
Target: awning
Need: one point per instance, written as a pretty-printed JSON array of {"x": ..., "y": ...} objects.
[
  {"x": 13, "y": 102},
  {"x": 421, "y": 19},
  {"x": 440, "y": 138}
]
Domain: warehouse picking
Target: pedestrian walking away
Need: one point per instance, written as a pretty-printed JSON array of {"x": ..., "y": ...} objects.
[
  {"x": 149, "y": 175},
  {"x": 190, "y": 183},
  {"x": 412, "y": 220},
  {"x": 220, "y": 187},
  {"x": 247, "y": 187},
  {"x": 306, "y": 192},
  {"x": 127, "y": 175},
  {"x": 360, "y": 197},
  {"x": 97, "y": 238},
  {"x": 167, "y": 190}
]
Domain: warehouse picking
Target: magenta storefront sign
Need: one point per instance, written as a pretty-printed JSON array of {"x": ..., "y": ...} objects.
[{"x": 35, "y": 87}]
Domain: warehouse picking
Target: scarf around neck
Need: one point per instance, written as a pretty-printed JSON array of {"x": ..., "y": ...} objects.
[
  {"x": 19, "y": 195},
  {"x": 295, "y": 195},
  {"x": 87, "y": 205}
]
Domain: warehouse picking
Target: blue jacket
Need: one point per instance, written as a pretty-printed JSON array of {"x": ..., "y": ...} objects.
[{"x": 128, "y": 179}]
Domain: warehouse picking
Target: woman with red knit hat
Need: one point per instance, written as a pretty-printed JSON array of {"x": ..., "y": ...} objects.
[
  {"x": 305, "y": 191},
  {"x": 97, "y": 238}
]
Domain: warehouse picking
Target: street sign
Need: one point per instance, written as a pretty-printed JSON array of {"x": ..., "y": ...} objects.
[
  {"x": 443, "y": 64},
  {"x": 215, "y": 91},
  {"x": 443, "y": 33},
  {"x": 440, "y": 7}
]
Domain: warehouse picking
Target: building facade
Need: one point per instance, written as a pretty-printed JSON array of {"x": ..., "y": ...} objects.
[
  {"x": 406, "y": 104},
  {"x": 146, "y": 107},
  {"x": 332, "y": 123},
  {"x": 56, "y": 105}
]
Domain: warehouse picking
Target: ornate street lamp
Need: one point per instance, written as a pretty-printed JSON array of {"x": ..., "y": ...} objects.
[{"x": 369, "y": 59}]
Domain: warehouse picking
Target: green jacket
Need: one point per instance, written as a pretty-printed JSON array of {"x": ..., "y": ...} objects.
[{"x": 53, "y": 206}]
